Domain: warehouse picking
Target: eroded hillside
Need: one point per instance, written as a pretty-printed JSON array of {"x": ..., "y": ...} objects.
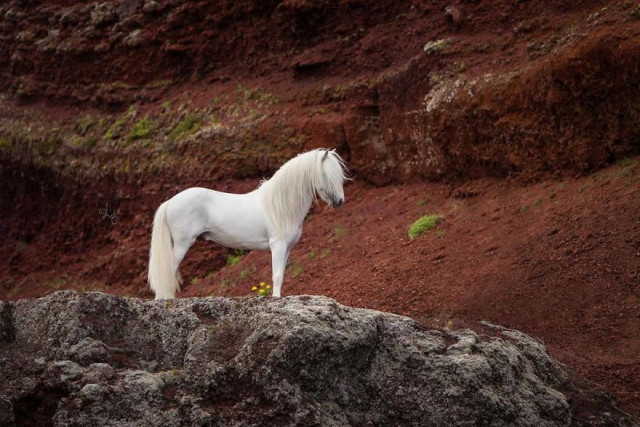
[{"x": 516, "y": 121}]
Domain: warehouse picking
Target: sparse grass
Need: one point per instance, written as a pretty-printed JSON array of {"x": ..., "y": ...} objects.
[
  {"x": 244, "y": 273},
  {"x": 625, "y": 162},
  {"x": 116, "y": 129},
  {"x": 187, "y": 126},
  {"x": 235, "y": 257},
  {"x": 15, "y": 287},
  {"x": 325, "y": 253},
  {"x": 339, "y": 230},
  {"x": 421, "y": 202},
  {"x": 312, "y": 254},
  {"x": 59, "y": 282},
  {"x": 85, "y": 124},
  {"x": 258, "y": 95},
  {"x": 225, "y": 284},
  {"x": 216, "y": 101},
  {"x": 295, "y": 270},
  {"x": 537, "y": 203},
  {"x": 141, "y": 129},
  {"x": 423, "y": 224},
  {"x": 524, "y": 208},
  {"x": 448, "y": 325},
  {"x": 158, "y": 84}
]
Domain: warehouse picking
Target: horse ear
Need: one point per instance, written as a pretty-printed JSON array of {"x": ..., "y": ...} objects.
[{"x": 326, "y": 154}]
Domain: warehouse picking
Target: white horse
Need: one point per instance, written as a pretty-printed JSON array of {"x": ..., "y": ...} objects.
[{"x": 268, "y": 218}]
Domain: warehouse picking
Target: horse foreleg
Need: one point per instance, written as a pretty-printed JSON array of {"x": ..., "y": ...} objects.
[{"x": 279, "y": 255}]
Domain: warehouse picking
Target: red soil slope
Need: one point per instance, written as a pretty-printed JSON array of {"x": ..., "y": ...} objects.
[{"x": 521, "y": 133}]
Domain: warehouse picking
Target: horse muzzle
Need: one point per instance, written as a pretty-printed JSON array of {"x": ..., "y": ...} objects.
[{"x": 337, "y": 203}]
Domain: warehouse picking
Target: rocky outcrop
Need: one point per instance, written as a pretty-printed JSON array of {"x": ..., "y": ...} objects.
[{"x": 96, "y": 359}]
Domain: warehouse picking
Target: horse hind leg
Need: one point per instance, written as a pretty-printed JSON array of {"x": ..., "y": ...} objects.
[{"x": 180, "y": 249}]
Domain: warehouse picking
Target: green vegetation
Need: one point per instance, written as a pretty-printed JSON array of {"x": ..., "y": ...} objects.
[
  {"x": 116, "y": 129},
  {"x": 141, "y": 129},
  {"x": 339, "y": 230},
  {"x": 235, "y": 256},
  {"x": 423, "y": 224},
  {"x": 59, "y": 282},
  {"x": 295, "y": 270},
  {"x": 35, "y": 143},
  {"x": 223, "y": 287},
  {"x": 258, "y": 95},
  {"x": 85, "y": 124},
  {"x": 187, "y": 126},
  {"x": 325, "y": 253},
  {"x": 625, "y": 162}
]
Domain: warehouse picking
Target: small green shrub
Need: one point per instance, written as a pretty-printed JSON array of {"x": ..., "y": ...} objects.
[{"x": 423, "y": 224}]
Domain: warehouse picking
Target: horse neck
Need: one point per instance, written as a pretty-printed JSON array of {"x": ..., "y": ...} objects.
[{"x": 287, "y": 200}]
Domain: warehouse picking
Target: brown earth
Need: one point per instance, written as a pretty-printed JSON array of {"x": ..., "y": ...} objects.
[{"x": 519, "y": 127}]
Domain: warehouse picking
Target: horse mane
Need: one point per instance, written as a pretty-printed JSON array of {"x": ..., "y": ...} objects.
[{"x": 287, "y": 196}]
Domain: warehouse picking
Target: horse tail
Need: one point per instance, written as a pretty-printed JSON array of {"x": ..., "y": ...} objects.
[{"x": 163, "y": 277}]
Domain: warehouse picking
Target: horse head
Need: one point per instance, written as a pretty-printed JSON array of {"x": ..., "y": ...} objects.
[{"x": 333, "y": 176}]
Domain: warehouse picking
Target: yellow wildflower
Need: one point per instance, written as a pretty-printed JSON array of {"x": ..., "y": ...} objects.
[
  {"x": 268, "y": 286},
  {"x": 254, "y": 288}
]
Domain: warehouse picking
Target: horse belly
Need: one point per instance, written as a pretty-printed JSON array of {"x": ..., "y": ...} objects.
[
  {"x": 237, "y": 226},
  {"x": 234, "y": 242}
]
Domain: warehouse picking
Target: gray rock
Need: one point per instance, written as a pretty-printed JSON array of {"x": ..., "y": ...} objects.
[
  {"x": 100, "y": 360},
  {"x": 103, "y": 13}
]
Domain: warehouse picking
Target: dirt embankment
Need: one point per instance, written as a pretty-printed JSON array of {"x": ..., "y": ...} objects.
[{"x": 109, "y": 108}]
